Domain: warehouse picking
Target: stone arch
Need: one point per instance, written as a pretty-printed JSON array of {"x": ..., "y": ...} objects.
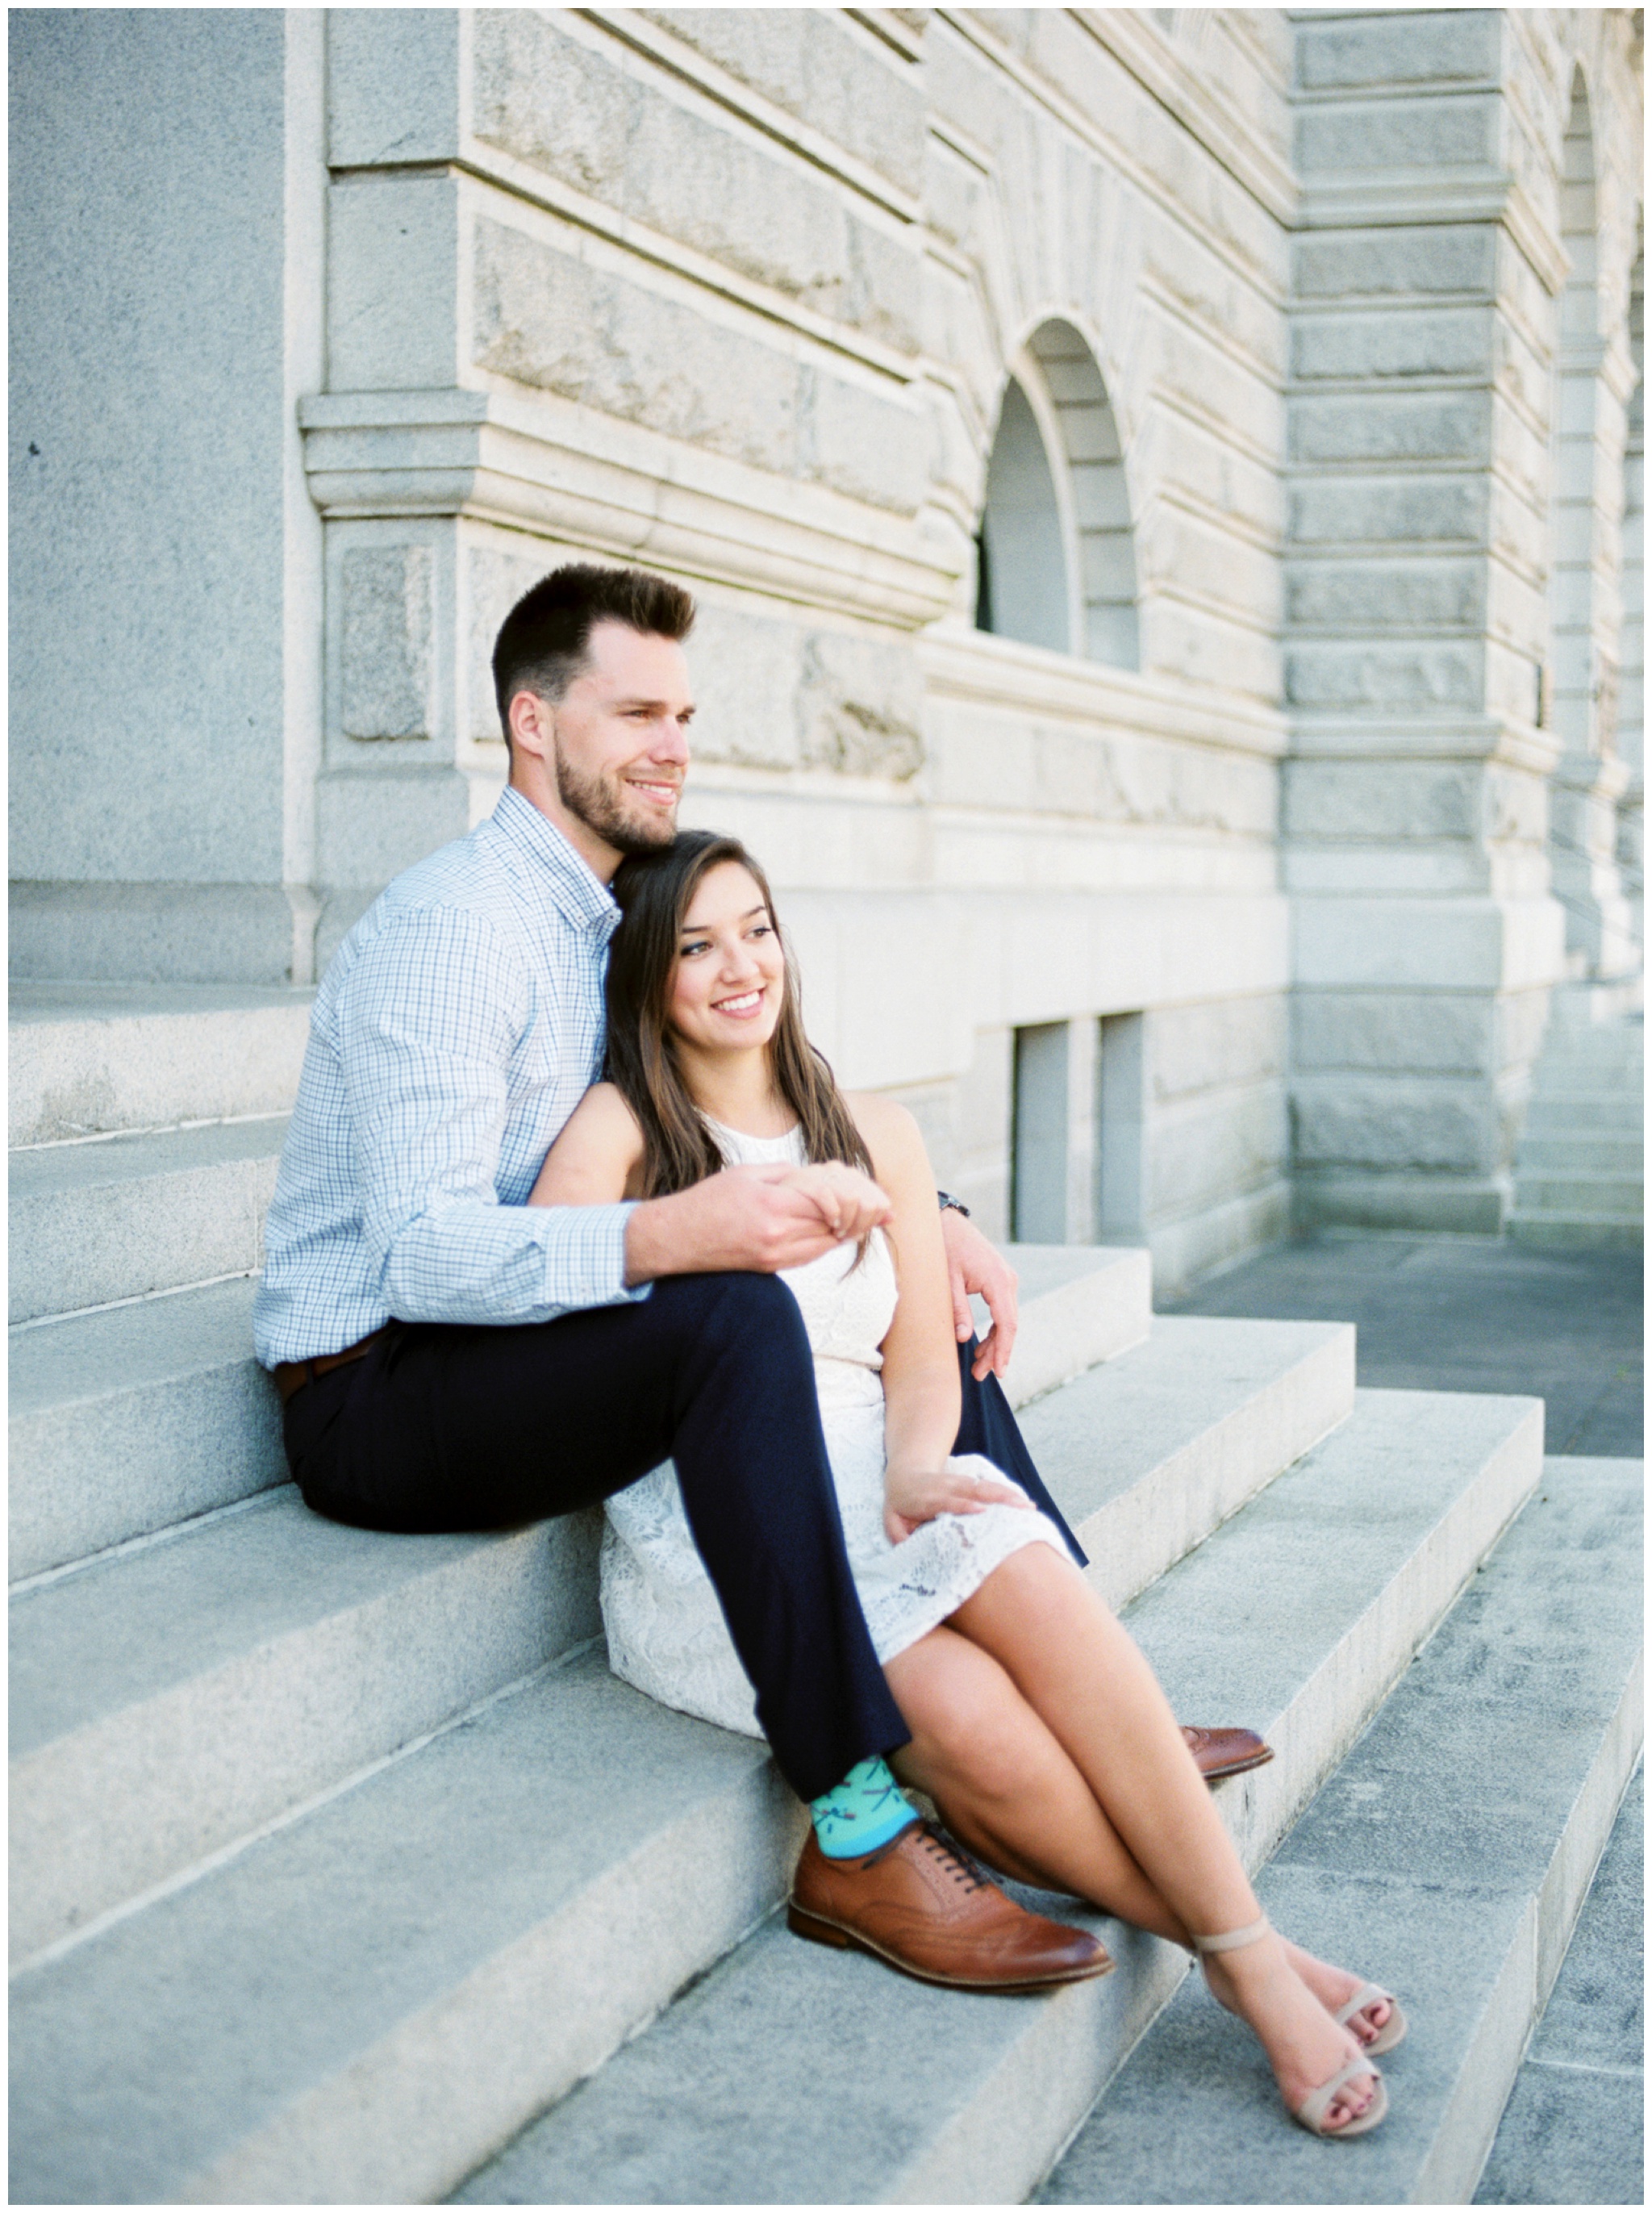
[{"x": 1056, "y": 549}]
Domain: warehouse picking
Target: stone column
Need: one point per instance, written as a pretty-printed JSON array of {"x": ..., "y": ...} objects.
[
  {"x": 1632, "y": 854},
  {"x": 1426, "y": 939}
]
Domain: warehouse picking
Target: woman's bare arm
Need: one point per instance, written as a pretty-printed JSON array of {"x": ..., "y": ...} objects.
[
  {"x": 597, "y": 1159},
  {"x": 921, "y": 1387}
]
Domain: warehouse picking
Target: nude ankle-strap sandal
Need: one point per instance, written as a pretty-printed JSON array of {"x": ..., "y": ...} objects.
[{"x": 1311, "y": 2113}]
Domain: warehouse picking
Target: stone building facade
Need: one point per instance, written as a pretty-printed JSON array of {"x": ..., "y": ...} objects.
[{"x": 1163, "y": 487}]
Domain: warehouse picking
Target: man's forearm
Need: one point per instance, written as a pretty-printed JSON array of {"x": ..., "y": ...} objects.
[{"x": 465, "y": 1262}]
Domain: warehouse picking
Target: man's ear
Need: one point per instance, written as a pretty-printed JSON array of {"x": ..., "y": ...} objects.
[{"x": 531, "y": 725}]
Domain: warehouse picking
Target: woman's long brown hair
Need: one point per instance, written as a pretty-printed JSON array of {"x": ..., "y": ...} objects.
[{"x": 653, "y": 890}]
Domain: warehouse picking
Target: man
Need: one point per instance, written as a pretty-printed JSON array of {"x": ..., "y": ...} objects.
[{"x": 453, "y": 1358}]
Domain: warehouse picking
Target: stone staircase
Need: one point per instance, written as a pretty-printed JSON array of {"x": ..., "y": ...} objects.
[
  {"x": 1578, "y": 1170},
  {"x": 342, "y": 1871}
]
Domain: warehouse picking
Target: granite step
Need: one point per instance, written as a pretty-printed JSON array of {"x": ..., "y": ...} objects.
[
  {"x": 89, "y": 1058},
  {"x": 167, "y": 1700},
  {"x": 1449, "y": 1856},
  {"x": 484, "y": 1921},
  {"x": 1292, "y": 1630},
  {"x": 118, "y": 1217},
  {"x": 126, "y": 1421}
]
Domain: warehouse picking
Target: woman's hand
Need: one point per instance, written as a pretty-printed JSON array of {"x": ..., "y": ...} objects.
[
  {"x": 912, "y": 1496},
  {"x": 850, "y": 1204}
]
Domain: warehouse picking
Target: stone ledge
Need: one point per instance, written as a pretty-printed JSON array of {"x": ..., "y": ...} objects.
[{"x": 560, "y": 470}]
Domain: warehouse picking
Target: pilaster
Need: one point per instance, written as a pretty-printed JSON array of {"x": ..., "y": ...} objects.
[{"x": 1426, "y": 938}]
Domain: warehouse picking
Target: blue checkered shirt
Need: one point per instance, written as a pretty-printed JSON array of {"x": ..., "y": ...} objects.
[{"x": 452, "y": 1035}]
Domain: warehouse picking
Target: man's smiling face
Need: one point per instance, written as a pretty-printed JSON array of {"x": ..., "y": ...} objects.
[{"x": 606, "y": 761}]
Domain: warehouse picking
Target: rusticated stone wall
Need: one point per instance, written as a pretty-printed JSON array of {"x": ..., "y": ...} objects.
[{"x": 1243, "y": 875}]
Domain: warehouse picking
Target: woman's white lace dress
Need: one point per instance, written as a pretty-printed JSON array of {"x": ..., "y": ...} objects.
[{"x": 666, "y": 1631}]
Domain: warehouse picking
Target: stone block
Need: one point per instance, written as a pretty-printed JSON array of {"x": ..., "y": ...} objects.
[
  {"x": 1398, "y": 1122},
  {"x": 567, "y": 109},
  {"x": 393, "y": 282},
  {"x": 387, "y": 619},
  {"x": 747, "y": 670},
  {"x": 1348, "y": 265},
  {"x": 1402, "y": 678},
  {"x": 1391, "y": 426},
  {"x": 1440, "y": 509},
  {"x": 1447, "y": 48},
  {"x": 860, "y": 706},
  {"x": 1438, "y": 1204},
  {"x": 1423, "y": 1033},
  {"x": 1420, "y": 342},
  {"x": 548, "y": 319},
  {"x": 1203, "y": 1153},
  {"x": 863, "y": 99},
  {"x": 1424, "y": 593},
  {"x": 1357, "y": 801},
  {"x": 1212, "y": 1046},
  {"x": 392, "y": 86},
  {"x": 1446, "y": 132}
]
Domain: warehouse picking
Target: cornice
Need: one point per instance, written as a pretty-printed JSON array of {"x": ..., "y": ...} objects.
[
  {"x": 1424, "y": 737},
  {"x": 1396, "y": 199},
  {"x": 558, "y": 469}
]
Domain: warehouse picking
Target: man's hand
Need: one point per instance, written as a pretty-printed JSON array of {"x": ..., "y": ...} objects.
[
  {"x": 973, "y": 1265},
  {"x": 912, "y": 1496},
  {"x": 755, "y": 1219}
]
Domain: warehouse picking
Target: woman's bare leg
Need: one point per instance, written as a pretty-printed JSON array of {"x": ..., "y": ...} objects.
[
  {"x": 1006, "y": 1789},
  {"x": 1079, "y": 1671}
]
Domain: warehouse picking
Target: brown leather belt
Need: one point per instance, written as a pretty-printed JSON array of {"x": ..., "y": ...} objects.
[{"x": 291, "y": 1375}]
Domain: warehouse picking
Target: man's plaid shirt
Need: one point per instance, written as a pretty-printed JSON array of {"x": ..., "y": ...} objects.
[{"x": 452, "y": 1035}]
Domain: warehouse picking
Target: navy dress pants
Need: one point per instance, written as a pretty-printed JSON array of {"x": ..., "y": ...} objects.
[{"x": 445, "y": 1426}]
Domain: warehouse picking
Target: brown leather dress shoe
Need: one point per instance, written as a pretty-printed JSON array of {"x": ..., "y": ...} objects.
[
  {"x": 1220, "y": 1751},
  {"x": 925, "y": 1909}
]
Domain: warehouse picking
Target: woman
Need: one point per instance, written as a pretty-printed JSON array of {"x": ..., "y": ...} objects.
[{"x": 1037, "y": 1727}]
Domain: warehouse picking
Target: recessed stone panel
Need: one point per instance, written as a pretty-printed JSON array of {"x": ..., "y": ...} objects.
[
  {"x": 1391, "y": 426},
  {"x": 1366, "y": 674},
  {"x": 1421, "y": 342},
  {"x": 1418, "y": 593},
  {"x": 1395, "y": 1122},
  {"x": 1433, "y": 1033},
  {"x": 386, "y": 642},
  {"x": 1457, "y": 132},
  {"x": 1344, "y": 265},
  {"x": 1383, "y": 50}
]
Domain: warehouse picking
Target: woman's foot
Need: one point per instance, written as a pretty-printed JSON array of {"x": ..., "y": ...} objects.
[
  {"x": 1334, "y": 1986},
  {"x": 1305, "y": 2047}
]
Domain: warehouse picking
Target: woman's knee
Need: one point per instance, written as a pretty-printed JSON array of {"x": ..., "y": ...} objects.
[{"x": 967, "y": 1717}]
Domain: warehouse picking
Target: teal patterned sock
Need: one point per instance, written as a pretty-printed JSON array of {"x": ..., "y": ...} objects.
[{"x": 865, "y": 1810}]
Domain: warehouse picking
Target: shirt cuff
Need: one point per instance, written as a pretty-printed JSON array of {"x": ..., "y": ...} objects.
[{"x": 585, "y": 1258}]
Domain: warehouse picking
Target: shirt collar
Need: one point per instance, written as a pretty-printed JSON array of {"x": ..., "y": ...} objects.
[{"x": 587, "y": 904}]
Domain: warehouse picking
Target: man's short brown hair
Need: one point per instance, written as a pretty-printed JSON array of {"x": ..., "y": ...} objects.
[{"x": 543, "y": 643}]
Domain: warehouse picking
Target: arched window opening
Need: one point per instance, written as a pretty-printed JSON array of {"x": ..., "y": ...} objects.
[
  {"x": 1100, "y": 495},
  {"x": 1023, "y": 574},
  {"x": 1056, "y": 558}
]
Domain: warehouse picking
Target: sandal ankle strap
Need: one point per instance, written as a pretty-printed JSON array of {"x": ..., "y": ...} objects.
[{"x": 1232, "y": 1940}]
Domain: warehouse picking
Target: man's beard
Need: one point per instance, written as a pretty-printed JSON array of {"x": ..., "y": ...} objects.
[{"x": 596, "y": 807}]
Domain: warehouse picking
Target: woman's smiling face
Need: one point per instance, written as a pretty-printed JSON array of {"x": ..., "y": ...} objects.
[{"x": 729, "y": 981}]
